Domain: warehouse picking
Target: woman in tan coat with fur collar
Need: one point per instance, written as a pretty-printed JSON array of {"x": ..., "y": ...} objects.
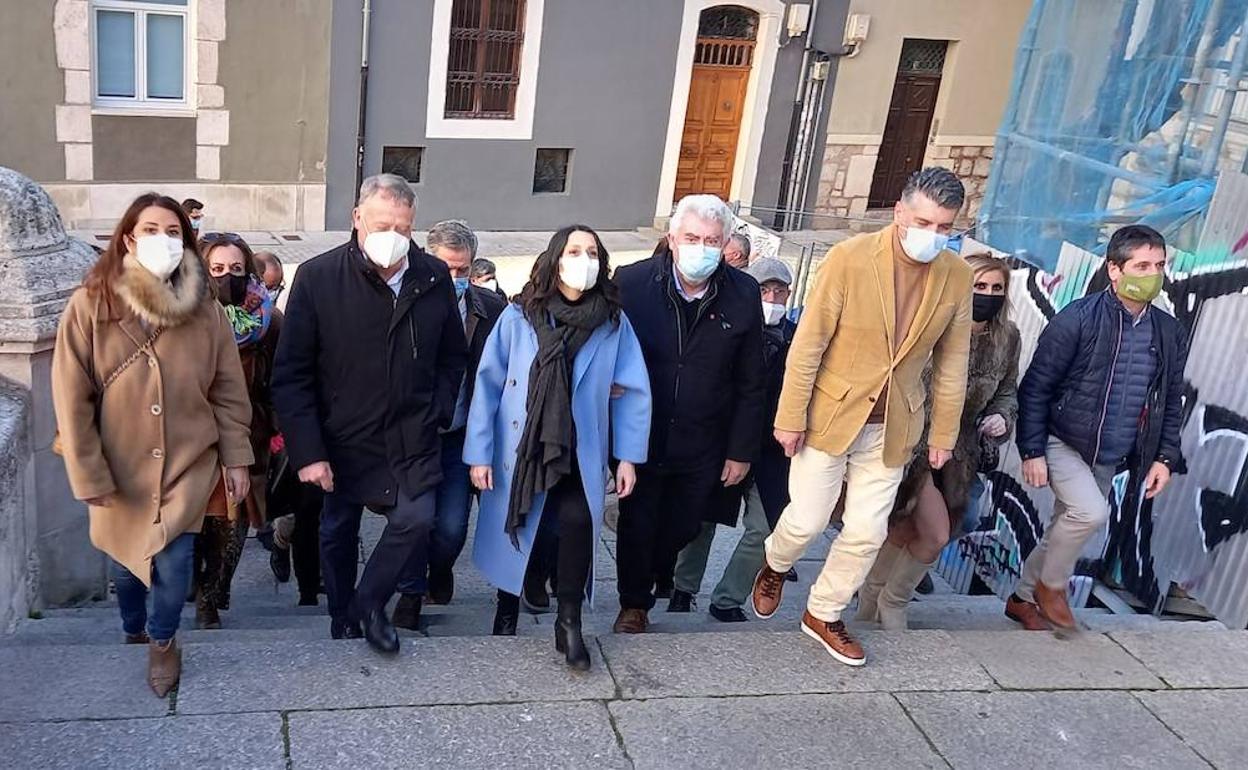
[{"x": 151, "y": 405}]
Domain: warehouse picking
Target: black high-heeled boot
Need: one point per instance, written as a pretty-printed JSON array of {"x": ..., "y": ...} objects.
[
  {"x": 568, "y": 638},
  {"x": 507, "y": 616}
]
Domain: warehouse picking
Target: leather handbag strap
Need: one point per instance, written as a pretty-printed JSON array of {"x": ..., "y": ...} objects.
[{"x": 151, "y": 340}]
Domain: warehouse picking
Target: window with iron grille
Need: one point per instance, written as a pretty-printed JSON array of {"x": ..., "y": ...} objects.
[
  {"x": 730, "y": 21},
  {"x": 550, "y": 172},
  {"x": 923, "y": 57},
  {"x": 483, "y": 66},
  {"x": 404, "y": 161}
]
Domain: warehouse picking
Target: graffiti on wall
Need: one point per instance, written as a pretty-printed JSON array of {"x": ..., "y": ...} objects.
[{"x": 1195, "y": 535}]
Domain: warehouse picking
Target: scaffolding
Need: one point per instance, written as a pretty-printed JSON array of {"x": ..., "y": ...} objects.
[{"x": 1120, "y": 111}]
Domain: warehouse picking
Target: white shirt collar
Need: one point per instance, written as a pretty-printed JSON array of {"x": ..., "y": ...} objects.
[
  {"x": 396, "y": 281},
  {"x": 689, "y": 296}
]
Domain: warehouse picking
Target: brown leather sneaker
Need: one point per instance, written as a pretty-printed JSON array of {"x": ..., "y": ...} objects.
[
  {"x": 1053, "y": 606},
  {"x": 631, "y": 621},
  {"x": 835, "y": 639},
  {"x": 1026, "y": 613},
  {"x": 768, "y": 586},
  {"x": 164, "y": 666}
]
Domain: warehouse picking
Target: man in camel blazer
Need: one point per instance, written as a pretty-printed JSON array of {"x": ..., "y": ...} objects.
[{"x": 852, "y": 408}]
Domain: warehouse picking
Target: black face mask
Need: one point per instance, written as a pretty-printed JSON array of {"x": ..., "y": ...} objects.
[
  {"x": 984, "y": 307},
  {"x": 231, "y": 289}
]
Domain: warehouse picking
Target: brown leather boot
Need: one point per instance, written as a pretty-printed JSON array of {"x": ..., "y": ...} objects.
[
  {"x": 139, "y": 638},
  {"x": 164, "y": 666},
  {"x": 631, "y": 621},
  {"x": 768, "y": 590},
  {"x": 835, "y": 639},
  {"x": 1053, "y": 606},
  {"x": 1025, "y": 612}
]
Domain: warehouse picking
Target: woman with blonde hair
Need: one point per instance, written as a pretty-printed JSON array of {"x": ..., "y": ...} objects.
[
  {"x": 151, "y": 405},
  {"x": 931, "y": 503}
]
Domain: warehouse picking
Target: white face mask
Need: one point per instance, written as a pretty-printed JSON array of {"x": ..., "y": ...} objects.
[
  {"x": 159, "y": 254},
  {"x": 579, "y": 271},
  {"x": 773, "y": 314},
  {"x": 491, "y": 284},
  {"x": 923, "y": 245},
  {"x": 696, "y": 261},
  {"x": 386, "y": 248}
]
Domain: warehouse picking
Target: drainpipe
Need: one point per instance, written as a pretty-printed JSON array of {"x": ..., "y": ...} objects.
[
  {"x": 361, "y": 121},
  {"x": 1228, "y": 101},
  {"x": 792, "y": 151},
  {"x": 820, "y": 76},
  {"x": 1195, "y": 80}
]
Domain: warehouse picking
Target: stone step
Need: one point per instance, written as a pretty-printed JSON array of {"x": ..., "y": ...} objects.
[{"x": 232, "y": 677}]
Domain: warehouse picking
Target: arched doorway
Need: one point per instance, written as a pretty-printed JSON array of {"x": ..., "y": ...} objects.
[{"x": 723, "y": 57}]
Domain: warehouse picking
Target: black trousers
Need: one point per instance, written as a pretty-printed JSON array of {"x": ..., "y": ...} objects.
[
  {"x": 662, "y": 515},
  {"x": 564, "y": 544},
  {"x": 305, "y": 545},
  {"x": 408, "y": 525}
]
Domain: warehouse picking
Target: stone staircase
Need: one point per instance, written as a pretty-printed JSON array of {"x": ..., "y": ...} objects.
[{"x": 270, "y": 689}]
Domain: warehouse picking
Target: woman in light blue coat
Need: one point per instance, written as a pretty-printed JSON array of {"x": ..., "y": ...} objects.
[{"x": 561, "y": 388}]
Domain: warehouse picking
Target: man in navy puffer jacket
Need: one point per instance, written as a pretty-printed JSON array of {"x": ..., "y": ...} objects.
[{"x": 1104, "y": 389}]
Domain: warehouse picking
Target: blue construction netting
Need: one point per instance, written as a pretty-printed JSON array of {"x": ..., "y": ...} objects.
[{"x": 1120, "y": 111}]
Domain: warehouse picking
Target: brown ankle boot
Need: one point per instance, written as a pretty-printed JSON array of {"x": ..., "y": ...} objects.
[
  {"x": 1053, "y": 606},
  {"x": 164, "y": 666}
]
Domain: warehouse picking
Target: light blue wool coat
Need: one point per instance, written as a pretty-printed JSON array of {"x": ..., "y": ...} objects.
[{"x": 496, "y": 418}]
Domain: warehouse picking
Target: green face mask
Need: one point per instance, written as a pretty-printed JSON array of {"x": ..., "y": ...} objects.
[{"x": 1139, "y": 288}]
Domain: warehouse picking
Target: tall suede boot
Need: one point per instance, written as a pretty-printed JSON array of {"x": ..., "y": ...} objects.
[
  {"x": 869, "y": 592},
  {"x": 899, "y": 590}
]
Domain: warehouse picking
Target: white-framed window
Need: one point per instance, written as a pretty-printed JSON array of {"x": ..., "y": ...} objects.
[
  {"x": 483, "y": 61},
  {"x": 140, "y": 54}
]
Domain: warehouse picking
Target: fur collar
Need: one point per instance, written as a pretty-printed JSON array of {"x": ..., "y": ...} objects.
[{"x": 163, "y": 303}]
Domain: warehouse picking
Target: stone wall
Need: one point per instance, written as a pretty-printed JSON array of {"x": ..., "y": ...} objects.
[
  {"x": 971, "y": 162},
  {"x": 845, "y": 181},
  {"x": 16, "y": 546}
]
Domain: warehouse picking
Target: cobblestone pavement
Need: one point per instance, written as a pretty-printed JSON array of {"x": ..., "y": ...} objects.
[{"x": 964, "y": 689}]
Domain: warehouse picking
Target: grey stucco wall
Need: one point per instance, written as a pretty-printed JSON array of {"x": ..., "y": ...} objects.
[
  {"x": 141, "y": 148},
  {"x": 274, "y": 65},
  {"x": 604, "y": 89},
  {"x": 30, "y": 87}
]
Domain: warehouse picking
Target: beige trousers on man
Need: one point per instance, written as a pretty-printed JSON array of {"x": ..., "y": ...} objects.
[
  {"x": 815, "y": 480},
  {"x": 1080, "y": 511}
]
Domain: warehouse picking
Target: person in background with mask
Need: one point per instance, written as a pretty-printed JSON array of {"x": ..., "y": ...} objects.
[
  {"x": 362, "y": 395},
  {"x": 737, "y": 251},
  {"x": 544, "y": 423},
  {"x": 852, "y": 405},
  {"x": 194, "y": 212},
  {"x": 766, "y": 490},
  {"x": 1104, "y": 389},
  {"x": 151, "y": 405},
  {"x": 455, "y": 245},
  {"x": 257, "y": 327},
  {"x": 271, "y": 273},
  {"x": 485, "y": 275},
  {"x": 931, "y": 504},
  {"x": 702, "y": 335}
]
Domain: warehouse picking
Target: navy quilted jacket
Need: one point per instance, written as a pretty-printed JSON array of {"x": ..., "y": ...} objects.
[{"x": 1066, "y": 390}]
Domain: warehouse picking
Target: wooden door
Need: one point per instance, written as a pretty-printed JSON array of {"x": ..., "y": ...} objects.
[
  {"x": 708, "y": 146},
  {"x": 905, "y": 136}
]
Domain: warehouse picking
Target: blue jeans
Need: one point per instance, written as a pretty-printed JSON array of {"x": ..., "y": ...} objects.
[
  {"x": 171, "y": 579},
  {"x": 450, "y": 523},
  {"x": 970, "y": 517}
]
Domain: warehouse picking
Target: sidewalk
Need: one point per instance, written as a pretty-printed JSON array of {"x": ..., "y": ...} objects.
[{"x": 966, "y": 690}]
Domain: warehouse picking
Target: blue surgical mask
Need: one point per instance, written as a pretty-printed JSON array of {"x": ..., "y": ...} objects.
[
  {"x": 461, "y": 286},
  {"x": 697, "y": 261}
]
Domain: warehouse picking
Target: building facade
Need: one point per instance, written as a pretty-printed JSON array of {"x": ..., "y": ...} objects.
[
  {"x": 927, "y": 86},
  {"x": 512, "y": 114}
]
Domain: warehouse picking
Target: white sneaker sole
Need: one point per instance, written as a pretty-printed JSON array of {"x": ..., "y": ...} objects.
[{"x": 855, "y": 662}]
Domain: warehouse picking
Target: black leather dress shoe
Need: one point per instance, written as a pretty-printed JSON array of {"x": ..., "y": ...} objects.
[
  {"x": 380, "y": 633},
  {"x": 407, "y": 612},
  {"x": 729, "y": 615},
  {"x": 345, "y": 629},
  {"x": 507, "y": 616},
  {"x": 791, "y": 575},
  {"x": 681, "y": 601}
]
